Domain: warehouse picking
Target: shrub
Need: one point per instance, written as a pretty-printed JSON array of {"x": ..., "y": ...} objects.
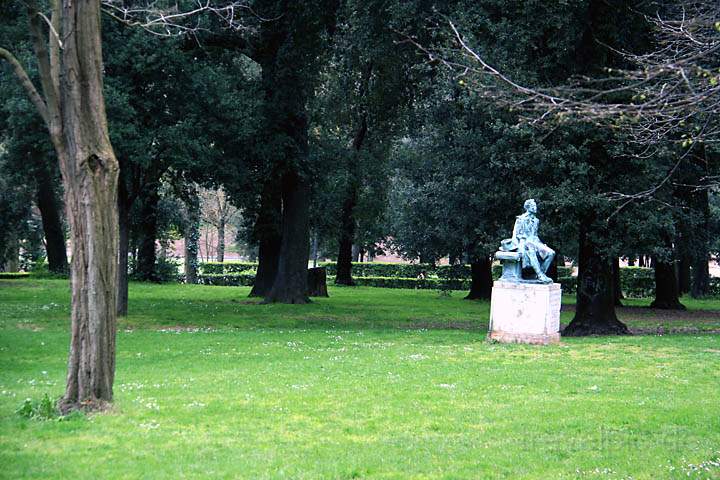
[
  {"x": 637, "y": 282},
  {"x": 230, "y": 279},
  {"x": 45, "y": 409},
  {"x": 569, "y": 284}
]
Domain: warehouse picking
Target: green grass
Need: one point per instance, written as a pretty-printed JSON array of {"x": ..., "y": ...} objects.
[{"x": 370, "y": 383}]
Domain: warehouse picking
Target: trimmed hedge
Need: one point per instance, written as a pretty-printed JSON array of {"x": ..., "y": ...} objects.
[
  {"x": 13, "y": 275},
  {"x": 230, "y": 279},
  {"x": 636, "y": 282},
  {"x": 413, "y": 283},
  {"x": 362, "y": 269},
  {"x": 217, "y": 268}
]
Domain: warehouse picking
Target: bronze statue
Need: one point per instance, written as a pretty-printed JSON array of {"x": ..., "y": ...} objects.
[{"x": 525, "y": 241}]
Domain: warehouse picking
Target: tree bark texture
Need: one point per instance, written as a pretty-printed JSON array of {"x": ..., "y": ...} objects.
[
  {"x": 290, "y": 284},
  {"x": 667, "y": 295},
  {"x": 317, "y": 282},
  {"x": 343, "y": 274},
  {"x": 12, "y": 254},
  {"x": 684, "y": 274},
  {"x": 595, "y": 309},
  {"x": 123, "y": 249},
  {"x": 90, "y": 175},
  {"x": 700, "y": 249},
  {"x": 553, "y": 269},
  {"x": 49, "y": 208},
  {"x": 221, "y": 240},
  {"x": 147, "y": 252},
  {"x": 267, "y": 232},
  {"x": 192, "y": 239},
  {"x": 482, "y": 281},
  {"x": 617, "y": 286}
]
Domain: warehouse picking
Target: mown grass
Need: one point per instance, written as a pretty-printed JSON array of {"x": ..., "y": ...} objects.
[{"x": 370, "y": 383}]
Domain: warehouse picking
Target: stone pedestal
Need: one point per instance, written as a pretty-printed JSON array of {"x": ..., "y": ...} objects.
[{"x": 525, "y": 313}]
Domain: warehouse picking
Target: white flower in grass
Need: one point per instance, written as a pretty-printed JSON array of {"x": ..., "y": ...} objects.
[
  {"x": 151, "y": 425},
  {"x": 449, "y": 386}
]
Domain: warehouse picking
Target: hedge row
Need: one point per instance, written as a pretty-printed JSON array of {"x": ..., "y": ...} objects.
[
  {"x": 13, "y": 275},
  {"x": 361, "y": 269},
  {"x": 217, "y": 268},
  {"x": 635, "y": 282},
  {"x": 231, "y": 279}
]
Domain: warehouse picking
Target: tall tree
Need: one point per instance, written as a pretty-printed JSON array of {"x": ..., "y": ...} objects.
[{"x": 73, "y": 108}]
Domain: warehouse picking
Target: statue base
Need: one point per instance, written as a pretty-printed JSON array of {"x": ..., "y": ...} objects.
[{"x": 525, "y": 313}]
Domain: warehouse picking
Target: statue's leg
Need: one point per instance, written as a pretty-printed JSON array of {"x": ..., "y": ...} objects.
[
  {"x": 534, "y": 262},
  {"x": 548, "y": 260}
]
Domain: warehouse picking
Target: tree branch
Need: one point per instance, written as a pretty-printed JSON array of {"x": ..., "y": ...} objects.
[{"x": 27, "y": 84}]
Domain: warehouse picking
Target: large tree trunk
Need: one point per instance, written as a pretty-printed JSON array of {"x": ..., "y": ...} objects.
[
  {"x": 553, "y": 269},
  {"x": 617, "y": 284},
  {"x": 666, "y": 287},
  {"x": 700, "y": 257},
  {"x": 317, "y": 282},
  {"x": 482, "y": 281},
  {"x": 221, "y": 240},
  {"x": 290, "y": 284},
  {"x": 684, "y": 273},
  {"x": 123, "y": 249},
  {"x": 90, "y": 175},
  {"x": 147, "y": 252},
  {"x": 52, "y": 223},
  {"x": 267, "y": 231},
  {"x": 700, "y": 276},
  {"x": 192, "y": 239},
  {"x": 343, "y": 274},
  {"x": 595, "y": 307},
  {"x": 12, "y": 254}
]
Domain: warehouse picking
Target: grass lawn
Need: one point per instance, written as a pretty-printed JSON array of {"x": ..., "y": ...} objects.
[{"x": 370, "y": 383}]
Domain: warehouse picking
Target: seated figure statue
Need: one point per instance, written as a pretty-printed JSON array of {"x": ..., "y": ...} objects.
[{"x": 525, "y": 241}]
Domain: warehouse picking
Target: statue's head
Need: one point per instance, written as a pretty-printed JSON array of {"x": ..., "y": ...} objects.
[{"x": 530, "y": 206}]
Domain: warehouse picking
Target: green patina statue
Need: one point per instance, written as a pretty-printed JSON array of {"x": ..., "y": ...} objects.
[{"x": 525, "y": 250}]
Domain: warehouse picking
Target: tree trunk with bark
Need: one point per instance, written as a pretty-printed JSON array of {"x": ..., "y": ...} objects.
[
  {"x": 684, "y": 273},
  {"x": 700, "y": 254},
  {"x": 553, "y": 269},
  {"x": 343, "y": 275},
  {"x": 267, "y": 231},
  {"x": 317, "y": 282},
  {"x": 595, "y": 307},
  {"x": 90, "y": 175},
  {"x": 221, "y": 240},
  {"x": 192, "y": 239},
  {"x": 290, "y": 284},
  {"x": 52, "y": 222},
  {"x": 123, "y": 249},
  {"x": 147, "y": 252},
  {"x": 482, "y": 281},
  {"x": 12, "y": 254},
  {"x": 617, "y": 284},
  {"x": 666, "y": 287}
]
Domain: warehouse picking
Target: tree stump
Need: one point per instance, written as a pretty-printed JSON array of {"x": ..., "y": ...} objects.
[{"x": 317, "y": 282}]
